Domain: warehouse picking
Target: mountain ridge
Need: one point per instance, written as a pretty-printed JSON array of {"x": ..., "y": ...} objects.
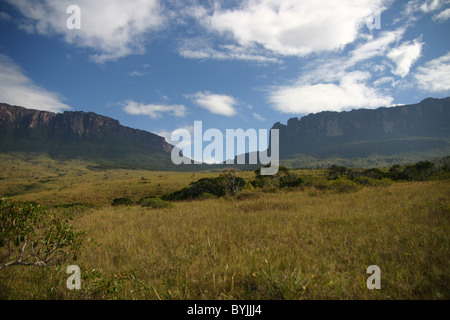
[
  {"x": 362, "y": 137},
  {"x": 394, "y": 133},
  {"x": 80, "y": 134}
]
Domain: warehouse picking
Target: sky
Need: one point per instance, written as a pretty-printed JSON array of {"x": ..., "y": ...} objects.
[{"x": 161, "y": 65}]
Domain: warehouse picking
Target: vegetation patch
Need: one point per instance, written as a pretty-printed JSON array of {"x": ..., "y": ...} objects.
[
  {"x": 155, "y": 203},
  {"x": 122, "y": 202},
  {"x": 31, "y": 235},
  {"x": 344, "y": 185}
]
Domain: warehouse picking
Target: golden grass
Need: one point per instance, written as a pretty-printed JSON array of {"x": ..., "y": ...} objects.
[{"x": 303, "y": 244}]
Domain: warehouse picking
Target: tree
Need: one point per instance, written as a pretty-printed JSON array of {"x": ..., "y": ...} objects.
[
  {"x": 31, "y": 235},
  {"x": 336, "y": 171},
  {"x": 230, "y": 182}
]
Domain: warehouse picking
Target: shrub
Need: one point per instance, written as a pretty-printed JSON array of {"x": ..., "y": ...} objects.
[
  {"x": 31, "y": 235},
  {"x": 321, "y": 185},
  {"x": 396, "y": 173},
  {"x": 195, "y": 189},
  {"x": 290, "y": 180},
  {"x": 344, "y": 185},
  {"x": 374, "y": 173},
  {"x": 206, "y": 196},
  {"x": 282, "y": 179},
  {"x": 336, "y": 171},
  {"x": 155, "y": 203},
  {"x": 231, "y": 184},
  {"x": 248, "y": 186},
  {"x": 366, "y": 181},
  {"x": 122, "y": 202}
]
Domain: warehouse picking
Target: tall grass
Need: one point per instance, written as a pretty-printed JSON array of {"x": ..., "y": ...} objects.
[{"x": 302, "y": 244}]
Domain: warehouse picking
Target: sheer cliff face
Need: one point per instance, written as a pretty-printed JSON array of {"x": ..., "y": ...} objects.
[
  {"x": 430, "y": 118},
  {"x": 74, "y": 126}
]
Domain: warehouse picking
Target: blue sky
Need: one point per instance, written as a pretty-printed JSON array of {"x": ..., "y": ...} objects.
[{"x": 161, "y": 65}]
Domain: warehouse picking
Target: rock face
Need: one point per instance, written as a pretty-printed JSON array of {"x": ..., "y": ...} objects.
[
  {"x": 74, "y": 134},
  {"x": 325, "y": 132}
]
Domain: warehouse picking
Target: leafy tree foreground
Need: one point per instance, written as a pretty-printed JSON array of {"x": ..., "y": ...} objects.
[{"x": 31, "y": 235}]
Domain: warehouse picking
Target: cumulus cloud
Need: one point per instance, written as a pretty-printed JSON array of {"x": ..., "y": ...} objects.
[
  {"x": 215, "y": 103},
  {"x": 342, "y": 82},
  {"x": 404, "y": 56},
  {"x": 434, "y": 76},
  {"x": 293, "y": 27},
  {"x": 350, "y": 92},
  {"x": 111, "y": 28},
  {"x": 154, "y": 111},
  {"x": 17, "y": 89}
]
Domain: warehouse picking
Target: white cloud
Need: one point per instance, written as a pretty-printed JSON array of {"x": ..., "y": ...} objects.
[
  {"x": 138, "y": 73},
  {"x": 293, "y": 27},
  {"x": 5, "y": 16},
  {"x": 430, "y": 5},
  {"x": 442, "y": 16},
  {"x": 333, "y": 69},
  {"x": 356, "y": 80},
  {"x": 415, "y": 8},
  {"x": 434, "y": 76},
  {"x": 374, "y": 47},
  {"x": 258, "y": 117},
  {"x": 154, "y": 111},
  {"x": 17, "y": 89},
  {"x": 111, "y": 28},
  {"x": 404, "y": 56},
  {"x": 215, "y": 103},
  {"x": 385, "y": 80},
  {"x": 351, "y": 92},
  {"x": 201, "y": 49}
]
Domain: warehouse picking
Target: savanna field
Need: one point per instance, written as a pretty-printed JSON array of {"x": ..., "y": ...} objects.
[{"x": 311, "y": 240}]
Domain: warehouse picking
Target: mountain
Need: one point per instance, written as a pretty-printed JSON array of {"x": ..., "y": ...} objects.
[
  {"x": 84, "y": 135},
  {"x": 367, "y": 137},
  {"x": 362, "y": 138}
]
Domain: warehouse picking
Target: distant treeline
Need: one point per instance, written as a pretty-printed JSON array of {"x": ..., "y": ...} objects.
[
  {"x": 420, "y": 171},
  {"x": 338, "y": 178}
]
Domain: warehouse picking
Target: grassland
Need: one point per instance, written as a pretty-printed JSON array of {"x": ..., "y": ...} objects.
[{"x": 303, "y": 243}]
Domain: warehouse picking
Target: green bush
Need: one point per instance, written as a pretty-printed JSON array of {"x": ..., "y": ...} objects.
[
  {"x": 122, "y": 202},
  {"x": 206, "y": 185},
  {"x": 366, "y": 181},
  {"x": 231, "y": 184},
  {"x": 206, "y": 196},
  {"x": 290, "y": 180},
  {"x": 155, "y": 203},
  {"x": 31, "y": 235},
  {"x": 282, "y": 179},
  {"x": 337, "y": 171},
  {"x": 344, "y": 185}
]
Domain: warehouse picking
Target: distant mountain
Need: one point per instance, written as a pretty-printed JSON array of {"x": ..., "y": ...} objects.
[
  {"x": 367, "y": 137},
  {"x": 84, "y": 135},
  {"x": 361, "y": 138}
]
